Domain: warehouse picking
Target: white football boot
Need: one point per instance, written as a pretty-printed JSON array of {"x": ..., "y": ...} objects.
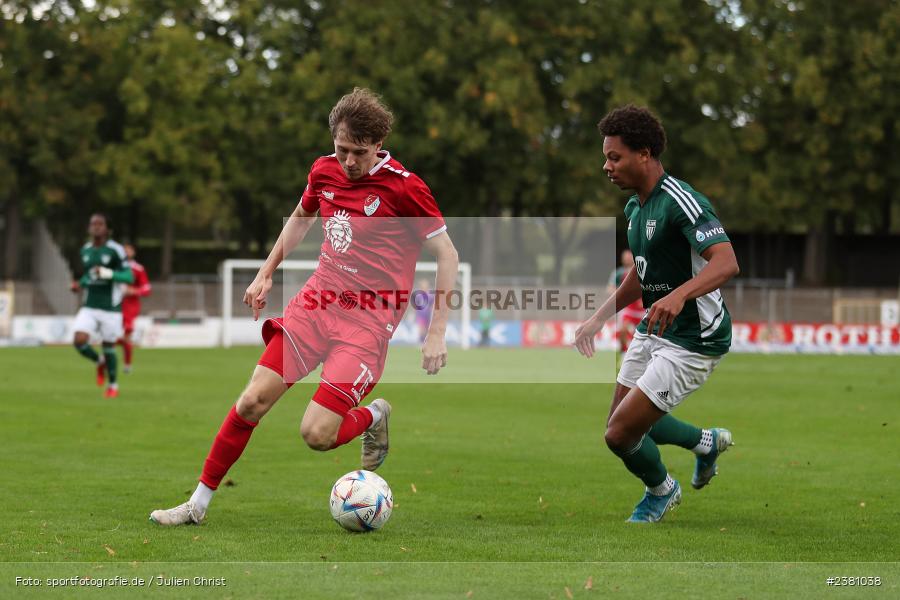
[
  {"x": 375, "y": 438},
  {"x": 706, "y": 468},
  {"x": 183, "y": 514}
]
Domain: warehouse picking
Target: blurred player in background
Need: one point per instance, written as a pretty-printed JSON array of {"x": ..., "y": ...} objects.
[
  {"x": 628, "y": 318},
  {"x": 485, "y": 323},
  {"x": 423, "y": 304},
  {"x": 106, "y": 274},
  {"x": 682, "y": 256},
  {"x": 377, "y": 216},
  {"x": 131, "y": 304}
]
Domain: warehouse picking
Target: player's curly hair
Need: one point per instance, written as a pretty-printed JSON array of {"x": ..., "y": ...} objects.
[
  {"x": 637, "y": 126},
  {"x": 364, "y": 115},
  {"x": 105, "y": 217}
]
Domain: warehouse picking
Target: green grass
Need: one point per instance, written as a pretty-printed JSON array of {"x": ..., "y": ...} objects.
[{"x": 516, "y": 494}]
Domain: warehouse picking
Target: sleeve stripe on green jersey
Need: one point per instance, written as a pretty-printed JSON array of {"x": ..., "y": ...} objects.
[
  {"x": 684, "y": 200},
  {"x": 691, "y": 201},
  {"x": 119, "y": 248}
]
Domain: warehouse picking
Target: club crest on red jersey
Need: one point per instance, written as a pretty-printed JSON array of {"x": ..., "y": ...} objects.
[{"x": 371, "y": 204}]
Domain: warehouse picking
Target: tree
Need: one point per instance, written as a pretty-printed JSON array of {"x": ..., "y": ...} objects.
[
  {"x": 827, "y": 109},
  {"x": 46, "y": 140}
]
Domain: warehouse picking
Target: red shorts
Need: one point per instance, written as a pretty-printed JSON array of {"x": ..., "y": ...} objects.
[
  {"x": 352, "y": 357},
  {"x": 128, "y": 317}
]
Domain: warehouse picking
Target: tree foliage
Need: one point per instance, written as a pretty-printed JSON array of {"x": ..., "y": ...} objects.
[{"x": 203, "y": 116}]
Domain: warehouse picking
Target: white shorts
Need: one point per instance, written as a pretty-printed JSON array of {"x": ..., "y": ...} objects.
[
  {"x": 106, "y": 324},
  {"x": 664, "y": 371}
]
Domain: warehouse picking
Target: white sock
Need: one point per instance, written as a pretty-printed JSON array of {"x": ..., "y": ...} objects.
[
  {"x": 664, "y": 488},
  {"x": 202, "y": 497},
  {"x": 705, "y": 445},
  {"x": 376, "y": 414}
]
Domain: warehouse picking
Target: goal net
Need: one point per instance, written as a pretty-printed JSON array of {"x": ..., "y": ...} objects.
[{"x": 237, "y": 274}]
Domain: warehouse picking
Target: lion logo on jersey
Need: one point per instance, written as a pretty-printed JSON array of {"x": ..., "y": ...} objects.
[{"x": 338, "y": 231}]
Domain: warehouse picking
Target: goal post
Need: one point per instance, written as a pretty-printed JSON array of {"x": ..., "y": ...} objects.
[{"x": 228, "y": 267}]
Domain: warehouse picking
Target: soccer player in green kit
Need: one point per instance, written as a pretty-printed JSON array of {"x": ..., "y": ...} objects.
[
  {"x": 682, "y": 256},
  {"x": 106, "y": 273}
]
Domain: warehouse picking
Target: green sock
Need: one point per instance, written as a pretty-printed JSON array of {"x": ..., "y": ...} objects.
[
  {"x": 111, "y": 362},
  {"x": 645, "y": 462},
  {"x": 88, "y": 352},
  {"x": 669, "y": 430}
]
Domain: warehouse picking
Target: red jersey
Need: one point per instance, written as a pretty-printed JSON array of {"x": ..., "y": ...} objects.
[
  {"x": 374, "y": 230},
  {"x": 131, "y": 303}
]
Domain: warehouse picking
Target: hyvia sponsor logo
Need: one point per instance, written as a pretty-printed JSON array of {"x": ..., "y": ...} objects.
[{"x": 710, "y": 231}]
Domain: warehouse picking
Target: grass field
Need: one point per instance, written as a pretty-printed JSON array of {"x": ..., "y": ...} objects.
[{"x": 501, "y": 490}]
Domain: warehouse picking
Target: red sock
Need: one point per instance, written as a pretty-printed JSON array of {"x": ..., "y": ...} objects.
[
  {"x": 227, "y": 448},
  {"x": 355, "y": 422},
  {"x": 126, "y": 348}
]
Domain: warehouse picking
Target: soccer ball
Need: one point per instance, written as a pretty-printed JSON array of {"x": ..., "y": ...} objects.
[{"x": 361, "y": 501}]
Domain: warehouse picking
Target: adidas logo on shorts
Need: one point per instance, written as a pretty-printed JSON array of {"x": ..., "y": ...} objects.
[{"x": 663, "y": 395}]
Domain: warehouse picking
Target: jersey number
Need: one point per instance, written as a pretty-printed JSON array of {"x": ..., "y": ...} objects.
[{"x": 362, "y": 382}]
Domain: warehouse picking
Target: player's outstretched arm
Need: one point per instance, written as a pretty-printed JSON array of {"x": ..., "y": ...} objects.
[
  {"x": 722, "y": 265},
  {"x": 625, "y": 294},
  {"x": 294, "y": 231},
  {"x": 124, "y": 275},
  {"x": 434, "y": 350}
]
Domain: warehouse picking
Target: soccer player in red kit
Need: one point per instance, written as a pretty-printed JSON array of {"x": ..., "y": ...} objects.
[
  {"x": 376, "y": 216},
  {"x": 131, "y": 303}
]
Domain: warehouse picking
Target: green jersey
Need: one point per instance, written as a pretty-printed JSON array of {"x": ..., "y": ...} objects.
[
  {"x": 104, "y": 294},
  {"x": 667, "y": 235}
]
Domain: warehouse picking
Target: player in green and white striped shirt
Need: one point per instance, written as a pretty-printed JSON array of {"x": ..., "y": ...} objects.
[
  {"x": 682, "y": 256},
  {"x": 106, "y": 273}
]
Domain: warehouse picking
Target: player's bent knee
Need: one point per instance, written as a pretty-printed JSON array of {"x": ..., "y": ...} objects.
[
  {"x": 317, "y": 437},
  {"x": 261, "y": 394},
  {"x": 618, "y": 440},
  {"x": 80, "y": 340},
  {"x": 252, "y": 406}
]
